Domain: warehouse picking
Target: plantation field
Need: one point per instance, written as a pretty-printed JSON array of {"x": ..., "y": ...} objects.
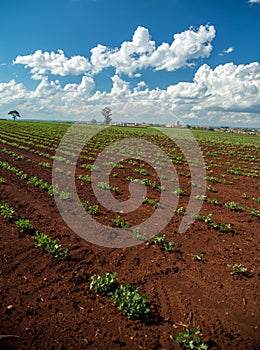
[{"x": 76, "y": 273}]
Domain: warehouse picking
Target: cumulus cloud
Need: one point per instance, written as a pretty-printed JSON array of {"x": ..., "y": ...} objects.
[
  {"x": 186, "y": 46},
  {"x": 228, "y": 93},
  {"x": 142, "y": 52},
  {"x": 254, "y": 1},
  {"x": 54, "y": 63},
  {"x": 230, "y": 87},
  {"x": 86, "y": 86},
  {"x": 12, "y": 92},
  {"x": 139, "y": 53}
]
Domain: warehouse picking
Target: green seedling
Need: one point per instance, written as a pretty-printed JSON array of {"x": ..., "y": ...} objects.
[
  {"x": 211, "y": 188},
  {"x": 91, "y": 167},
  {"x": 180, "y": 191},
  {"x": 64, "y": 195},
  {"x": 103, "y": 284},
  {"x": 106, "y": 186},
  {"x": 151, "y": 202},
  {"x": 213, "y": 201},
  {"x": 53, "y": 190},
  {"x": 256, "y": 199},
  {"x": 6, "y": 211},
  {"x": 237, "y": 268},
  {"x": 180, "y": 210},
  {"x": 254, "y": 212},
  {"x": 91, "y": 209},
  {"x": 2, "y": 180},
  {"x": 160, "y": 240},
  {"x": 85, "y": 178},
  {"x": 233, "y": 206},
  {"x": 24, "y": 225},
  {"x": 120, "y": 222},
  {"x": 139, "y": 235},
  {"x": 45, "y": 164},
  {"x": 191, "y": 340},
  {"x": 50, "y": 246},
  {"x": 150, "y": 183},
  {"x": 141, "y": 171},
  {"x": 130, "y": 302},
  {"x": 197, "y": 257},
  {"x": 201, "y": 197}
]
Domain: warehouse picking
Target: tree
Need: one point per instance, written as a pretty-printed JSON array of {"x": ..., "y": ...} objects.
[
  {"x": 93, "y": 121},
  {"x": 14, "y": 114},
  {"x": 107, "y": 115}
]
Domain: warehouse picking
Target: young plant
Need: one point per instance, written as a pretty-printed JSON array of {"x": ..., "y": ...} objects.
[
  {"x": 91, "y": 209},
  {"x": 64, "y": 195},
  {"x": 141, "y": 171},
  {"x": 254, "y": 212},
  {"x": 104, "y": 284},
  {"x": 139, "y": 235},
  {"x": 211, "y": 188},
  {"x": 233, "y": 206},
  {"x": 151, "y": 202},
  {"x": 213, "y": 201},
  {"x": 224, "y": 227},
  {"x": 85, "y": 178},
  {"x": 180, "y": 191},
  {"x": 197, "y": 257},
  {"x": 24, "y": 225},
  {"x": 50, "y": 246},
  {"x": 120, "y": 222},
  {"x": 160, "y": 240},
  {"x": 150, "y": 183},
  {"x": 6, "y": 211},
  {"x": 2, "y": 180},
  {"x": 91, "y": 167},
  {"x": 45, "y": 164},
  {"x": 180, "y": 210},
  {"x": 191, "y": 340},
  {"x": 237, "y": 268},
  {"x": 132, "y": 304},
  {"x": 106, "y": 186},
  {"x": 201, "y": 197}
]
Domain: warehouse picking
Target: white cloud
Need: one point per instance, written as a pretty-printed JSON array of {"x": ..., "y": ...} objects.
[
  {"x": 54, "y": 63},
  {"x": 230, "y": 86},
  {"x": 227, "y": 51},
  {"x": 227, "y": 94},
  {"x": 86, "y": 86},
  {"x": 254, "y": 1},
  {"x": 186, "y": 46},
  {"x": 139, "y": 53},
  {"x": 126, "y": 59},
  {"x": 12, "y": 92}
]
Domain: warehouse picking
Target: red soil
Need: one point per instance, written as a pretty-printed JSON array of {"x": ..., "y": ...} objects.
[{"x": 47, "y": 304}]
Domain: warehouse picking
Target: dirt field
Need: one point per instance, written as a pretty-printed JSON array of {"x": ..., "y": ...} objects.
[{"x": 47, "y": 304}]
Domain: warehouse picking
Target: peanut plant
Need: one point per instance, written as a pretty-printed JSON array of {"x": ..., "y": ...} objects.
[
  {"x": 191, "y": 340},
  {"x": 49, "y": 245},
  {"x": 160, "y": 241},
  {"x": 126, "y": 297}
]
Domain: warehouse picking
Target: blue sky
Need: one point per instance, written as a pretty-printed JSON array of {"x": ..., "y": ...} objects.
[{"x": 195, "y": 61}]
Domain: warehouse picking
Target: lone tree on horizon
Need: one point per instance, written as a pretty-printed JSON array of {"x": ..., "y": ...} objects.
[
  {"x": 107, "y": 115},
  {"x": 15, "y": 114}
]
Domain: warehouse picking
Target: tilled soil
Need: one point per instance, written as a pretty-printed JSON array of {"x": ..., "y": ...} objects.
[{"x": 47, "y": 304}]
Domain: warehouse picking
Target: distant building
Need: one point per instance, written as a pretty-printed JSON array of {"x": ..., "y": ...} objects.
[{"x": 176, "y": 125}]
